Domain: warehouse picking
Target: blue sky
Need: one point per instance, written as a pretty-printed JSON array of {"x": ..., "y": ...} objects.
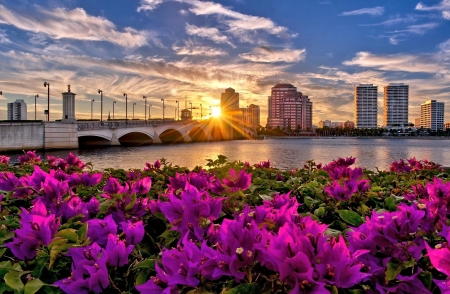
[{"x": 176, "y": 48}]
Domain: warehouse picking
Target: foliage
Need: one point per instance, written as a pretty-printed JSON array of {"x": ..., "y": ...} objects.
[{"x": 233, "y": 228}]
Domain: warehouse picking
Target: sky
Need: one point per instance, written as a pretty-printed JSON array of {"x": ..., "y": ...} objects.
[{"x": 191, "y": 50}]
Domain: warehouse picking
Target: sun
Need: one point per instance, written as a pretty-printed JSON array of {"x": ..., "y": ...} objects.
[{"x": 215, "y": 111}]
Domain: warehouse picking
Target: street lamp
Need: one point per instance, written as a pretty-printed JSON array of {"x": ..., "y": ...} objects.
[
  {"x": 114, "y": 103},
  {"x": 126, "y": 107},
  {"x": 162, "y": 99},
  {"x": 145, "y": 107},
  {"x": 35, "y": 96},
  {"x": 201, "y": 112},
  {"x": 210, "y": 111},
  {"x": 133, "y": 109},
  {"x": 149, "y": 111},
  {"x": 178, "y": 107},
  {"x": 175, "y": 114},
  {"x": 92, "y": 108},
  {"x": 48, "y": 100},
  {"x": 191, "y": 107},
  {"x": 101, "y": 104}
]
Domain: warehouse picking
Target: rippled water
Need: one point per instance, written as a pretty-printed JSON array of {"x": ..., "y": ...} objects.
[{"x": 283, "y": 153}]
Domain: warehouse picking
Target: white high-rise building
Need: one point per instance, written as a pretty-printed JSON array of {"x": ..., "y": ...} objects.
[
  {"x": 432, "y": 115},
  {"x": 396, "y": 98},
  {"x": 17, "y": 110},
  {"x": 366, "y": 106}
]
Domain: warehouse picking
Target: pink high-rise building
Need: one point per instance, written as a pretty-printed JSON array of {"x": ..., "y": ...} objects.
[{"x": 289, "y": 108}]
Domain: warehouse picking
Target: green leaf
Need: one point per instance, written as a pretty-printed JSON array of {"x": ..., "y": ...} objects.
[
  {"x": 4, "y": 287},
  {"x": 69, "y": 234},
  {"x": 394, "y": 267},
  {"x": 245, "y": 288},
  {"x": 2, "y": 251},
  {"x": 142, "y": 277},
  {"x": 310, "y": 201},
  {"x": 82, "y": 232},
  {"x": 146, "y": 264},
  {"x": 319, "y": 211},
  {"x": 426, "y": 278},
  {"x": 350, "y": 217},
  {"x": 33, "y": 286},
  {"x": 12, "y": 279},
  {"x": 266, "y": 197}
]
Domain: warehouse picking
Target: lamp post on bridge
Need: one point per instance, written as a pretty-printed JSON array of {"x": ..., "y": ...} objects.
[
  {"x": 149, "y": 111},
  {"x": 201, "y": 112},
  {"x": 175, "y": 114},
  {"x": 145, "y": 107},
  {"x": 114, "y": 104},
  {"x": 92, "y": 108},
  {"x": 35, "y": 96},
  {"x": 126, "y": 107},
  {"x": 178, "y": 107},
  {"x": 48, "y": 100},
  {"x": 210, "y": 111},
  {"x": 133, "y": 109},
  {"x": 162, "y": 99},
  {"x": 101, "y": 104}
]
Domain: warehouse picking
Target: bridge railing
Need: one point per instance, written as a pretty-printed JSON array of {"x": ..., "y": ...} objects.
[{"x": 97, "y": 125}]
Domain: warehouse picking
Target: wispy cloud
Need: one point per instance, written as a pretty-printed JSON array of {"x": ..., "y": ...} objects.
[
  {"x": 74, "y": 24},
  {"x": 191, "y": 49},
  {"x": 149, "y": 5},
  {"x": 443, "y": 7},
  {"x": 419, "y": 29},
  {"x": 379, "y": 10},
  {"x": 4, "y": 37},
  {"x": 395, "y": 20},
  {"x": 269, "y": 55},
  {"x": 209, "y": 33}
]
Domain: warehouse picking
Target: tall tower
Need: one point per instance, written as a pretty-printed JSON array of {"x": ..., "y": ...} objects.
[
  {"x": 229, "y": 101},
  {"x": 17, "y": 110},
  {"x": 289, "y": 108},
  {"x": 396, "y": 105},
  {"x": 68, "y": 115},
  {"x": 366, "y": 106},
  {"x": 432, "y": 115}
]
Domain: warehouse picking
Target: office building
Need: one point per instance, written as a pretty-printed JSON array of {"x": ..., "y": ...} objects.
[
  {"x": 251, "y": 115},
  {"x": 289, "y": 108},
  {"x": 432, "y": 115},
  {"x": 17, "y": 110},
  {"x": 324, "y": 123},
  {"x": 229, "y": 101},
  {"x": 366, "y": 106},
  {"x": 417, "y": 122},
  {"x": 396, "y": 98}
]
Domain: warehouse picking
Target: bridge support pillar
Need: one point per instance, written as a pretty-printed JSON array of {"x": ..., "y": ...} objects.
[
  {"x": 156, "y": 139},
  {"x": 114, "y": 140},
  {"x": 186, "y": 137}
]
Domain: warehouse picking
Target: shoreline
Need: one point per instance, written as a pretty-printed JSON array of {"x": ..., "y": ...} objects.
[{"x": 369, "y": 137}]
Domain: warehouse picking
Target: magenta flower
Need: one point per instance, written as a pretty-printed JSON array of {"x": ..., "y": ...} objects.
[
  {"x": 342, "y": 193},
  {"x": 91, "y": 179},
  {"x": 113, "y": 186},
  {"x": 98, "y": 230},
  {"x": 141, "y": 186},
  {"x": 29, "y": 157},
  {"x": 236, "y": 182},
  {"x": 158, "y": 284},
  {"x": 117, "y": 251},
  {"x": 73, "y": 161},
  {"x": 8, "y": 181},
  {"x": 74, "y": 206},
  {"x": 4, "y": 159},
  {"x": 134, "y": 232}
]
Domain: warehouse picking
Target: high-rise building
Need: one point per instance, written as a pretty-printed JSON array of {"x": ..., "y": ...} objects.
[
  {"x": 366, "y": 106},
  {"x": 396, "y": 105},
  {"x": 251, "y": 115},
  {"x": 289, "y": 108},
  {"x": 417, "y": 122},
  {"x": 432, "y": 115},
  {"x": 17, "y": 110},
  {"x": 229, "y": 101}
]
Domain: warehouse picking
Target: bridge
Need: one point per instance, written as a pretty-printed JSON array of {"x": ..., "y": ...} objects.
[{"x": 155, "y": 131}]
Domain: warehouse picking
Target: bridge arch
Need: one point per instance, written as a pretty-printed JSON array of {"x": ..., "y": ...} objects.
[
  {"x": 94, "y": 140},
  {"x": 216, "y": 133},
  {"x": 135, "y": 138},
  {"x": 171, "y": 136},
  {"x": 197, "y": 134}
]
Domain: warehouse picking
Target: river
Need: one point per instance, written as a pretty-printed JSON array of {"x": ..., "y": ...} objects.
[{"x": 282, "y": 153}]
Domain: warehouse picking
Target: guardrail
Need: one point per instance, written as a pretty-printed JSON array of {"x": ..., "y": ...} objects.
[{"x": 97, "y": 125}]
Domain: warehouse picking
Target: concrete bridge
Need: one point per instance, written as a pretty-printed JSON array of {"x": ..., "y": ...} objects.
[{"x": 158, "y": 131}]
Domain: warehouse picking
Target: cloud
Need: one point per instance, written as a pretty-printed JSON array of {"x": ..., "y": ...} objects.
[
  {"x": 379, "y": 10},
  {"x": 209, "y": 33},
  {"x": 190, "y": 49},
  {"x": 395, "y": 20},
  {"x": 269, "y": 55},
  {"x": 4, "y": 37},
  {"x": 419, "y": 29},
  {"x": 149, "y": 5},
  {"x": 443, "y": 6},
  {"x": 74, "y": 24}
]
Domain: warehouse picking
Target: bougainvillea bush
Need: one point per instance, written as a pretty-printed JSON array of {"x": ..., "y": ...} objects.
[{"x": 230, "y": 227}]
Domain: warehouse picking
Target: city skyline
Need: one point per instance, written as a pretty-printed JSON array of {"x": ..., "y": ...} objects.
[{"x": 169, "y": 49}]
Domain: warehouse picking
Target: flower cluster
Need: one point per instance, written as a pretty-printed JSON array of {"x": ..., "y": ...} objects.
[
  {"x": 412, "y": 164},
  {"x": 346, "y": 180}
]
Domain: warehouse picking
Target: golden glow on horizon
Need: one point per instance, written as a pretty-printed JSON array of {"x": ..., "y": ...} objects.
[{"x": 215, "y": 111}]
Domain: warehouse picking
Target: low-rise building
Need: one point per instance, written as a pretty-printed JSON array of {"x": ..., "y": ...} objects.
[{"x": 17, "y": 110}]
